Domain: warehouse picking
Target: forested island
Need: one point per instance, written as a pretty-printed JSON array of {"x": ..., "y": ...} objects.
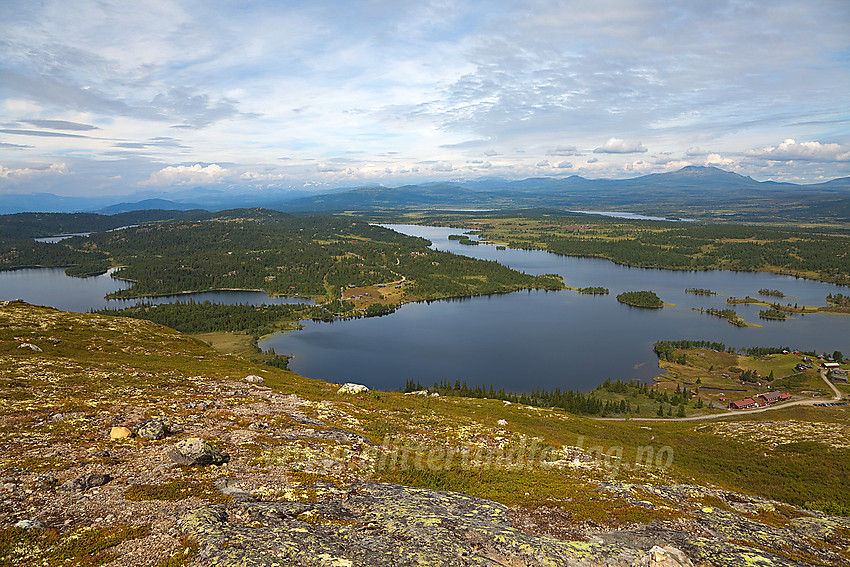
[{"x": 646, "y": 299}]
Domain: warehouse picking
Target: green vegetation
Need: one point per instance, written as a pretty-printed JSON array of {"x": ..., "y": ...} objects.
[
  {"x": 594, "y": 290},
  {"x": 729, "y": 314},
  {"x": 773, "y": 313},
  {"x": 278, "y": 253},
  {"x": 79, "y": 547},
  {"x": 808, "y": 253},
  {"x": 646, "y": 299},
  {"x": 700, "y": 291},
  {"x": 463, "y": 239},
  {"x": 207, "y": 317},
  {"x": 176, "y": 489},
  {"x": 611, "y": 398},
  {"x": 771, "y": 292},
  {"x": 40, "y": 225}
]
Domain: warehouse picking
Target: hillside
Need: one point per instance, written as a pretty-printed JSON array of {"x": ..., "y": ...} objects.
[{"x": 296, "y": 472}]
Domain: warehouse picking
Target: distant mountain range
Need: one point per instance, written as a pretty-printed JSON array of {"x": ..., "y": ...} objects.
[{"x": 697, "y": 192}]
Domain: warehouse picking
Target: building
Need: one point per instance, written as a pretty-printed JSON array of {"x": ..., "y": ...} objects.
[
  {"x": 770, "y": 397},
  {"x": 773, "y": 397},
  {"x": 743, "y": 404},
  {"x": 830, "y": 365},
  {"x": 838, "y": 374}
]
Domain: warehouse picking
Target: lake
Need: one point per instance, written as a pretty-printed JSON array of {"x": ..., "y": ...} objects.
[
  {"x": 50, "y": 286},
  {"x": 565, "y": 339}
]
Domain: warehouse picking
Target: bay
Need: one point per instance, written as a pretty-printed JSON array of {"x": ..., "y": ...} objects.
[
  {"x": 529, "y": 339},
  {"x": 50, "y": 286}
]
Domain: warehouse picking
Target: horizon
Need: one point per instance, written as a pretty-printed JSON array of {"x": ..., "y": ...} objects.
[{"x": 118, "y": 100}]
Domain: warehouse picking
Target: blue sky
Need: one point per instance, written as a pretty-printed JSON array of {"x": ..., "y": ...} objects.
[{"x": 153, "y": 96}]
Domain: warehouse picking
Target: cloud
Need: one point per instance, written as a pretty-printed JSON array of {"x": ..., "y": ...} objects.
[
  {"x": 620, "y": 146},
  {"x": 442, "y": 166},
  {"x": 60, "y": 125},
  {"x": 14, "y": 146},
  {"x": 544, "y": 163},
  {"x": 565, "y": 165},
  {"x": 790, "y": 150},
  {"x": 183, "y": 175},
  {"x": 593, "y": 160},
  {"x": 695, "y": 151},
  {"x": 7, "y": 173},
  {"x": 717, "y": 159},
  {"x": 41, "y": 133},
  {"x": 564, "y": 151}
]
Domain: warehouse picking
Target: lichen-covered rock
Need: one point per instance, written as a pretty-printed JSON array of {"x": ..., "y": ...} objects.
[
  {"x": 382, "y": 524},
  {"x": 196, "y": 451},
  {"x": 254, "y": 379},
  {"x": 154, "y": 429},
  {"x": 30, "y": 346},
  {"x": 351, "y": 388}
]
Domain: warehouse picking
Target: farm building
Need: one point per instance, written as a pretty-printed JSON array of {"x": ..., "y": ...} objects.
[
  {"x": 743, "y": 404},
  {"x": 773, "y": 397}
]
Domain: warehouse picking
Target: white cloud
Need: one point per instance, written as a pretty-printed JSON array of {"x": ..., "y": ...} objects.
[
  {"x": 593, "y": 160},
  {"x": 187, "y": 174},
  {"x": 695, "y": 151},
  {"x": 565, "y": 165},
  {"x": 11, "y": 174},
  {"x": 718, "y": 160},
  {"x": 790, "y": 150},
  {"x": 544, "y": 163},
  {"x": 442, "y": 166},
  {"x": 564, "y": 151},
  {"x": 620, "y": 146}
]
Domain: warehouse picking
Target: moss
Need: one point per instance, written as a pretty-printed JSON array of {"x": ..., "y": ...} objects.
[
  {"x": 80, "y": 547},
  {"x": 177, "y": 489}
]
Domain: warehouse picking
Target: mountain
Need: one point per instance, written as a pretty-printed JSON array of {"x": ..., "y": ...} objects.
[
  {"x": 147, "y": 204},
  {"x": 693, "y": 191},
  {"x": 408, "y": 196}
]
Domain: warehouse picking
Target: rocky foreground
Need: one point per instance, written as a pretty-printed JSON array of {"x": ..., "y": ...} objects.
[{"x": 125, "y": 443}]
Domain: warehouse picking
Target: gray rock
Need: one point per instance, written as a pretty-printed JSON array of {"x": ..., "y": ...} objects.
[
  {"x": 30, "y": 525},
  {"x": 96, "y": 479},
  {"x": 30, "y": 346},
  {"x": 154, "y": 429},
  {"x": 196, "y": 451},
  {"x": 85, "y": 482}
]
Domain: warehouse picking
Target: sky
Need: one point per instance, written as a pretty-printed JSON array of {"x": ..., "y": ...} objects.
[{"x": 148, "y": 97}]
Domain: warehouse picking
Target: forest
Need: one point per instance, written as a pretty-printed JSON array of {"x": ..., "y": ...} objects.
[
  {"x": 811, "y": 253},
  {"x": 646, "y": 299},
  {"x": 278, "y": 253}
]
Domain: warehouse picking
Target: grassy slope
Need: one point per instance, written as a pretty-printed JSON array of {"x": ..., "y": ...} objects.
[{"x": 58, "y": 404}]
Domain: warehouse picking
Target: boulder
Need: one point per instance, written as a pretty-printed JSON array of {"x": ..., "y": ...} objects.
[
  {"x": 29, "y": 525},
  {"x": 85, "y": 482},
  {"x": 502, "y": 422},
  {"x": 351, "y": 388},
  {"x": 30, "y": 346},
  {"x": 120, "y": 432},
  {"x": 254, "y": 379},
  {"x": 196, "y": 451},
  {"x": 156, "y": 428}
]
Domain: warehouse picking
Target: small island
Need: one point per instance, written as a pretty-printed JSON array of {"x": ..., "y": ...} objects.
[
  {"x": 646, "y": 299},
  {"x": 729, "y": 314},
  {"x": 463, "y": 239},
  {"x": 598, "y": 290},
  {"x": 773, "y": 313},
  {"x": 771, "y": 292},
  {"x": 700, "y": 291}
]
